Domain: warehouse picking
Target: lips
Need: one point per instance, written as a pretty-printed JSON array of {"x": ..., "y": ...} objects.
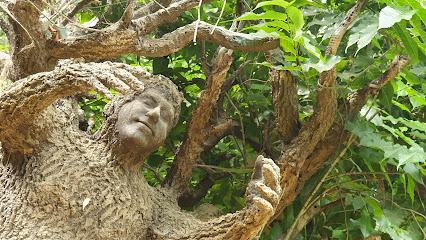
[{"x": 147, "y": 126}]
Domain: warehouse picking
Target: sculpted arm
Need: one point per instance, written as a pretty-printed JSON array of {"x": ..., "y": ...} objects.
[
  {"x": 262, "y": 196},
  {"x": 26, "y": 98}
]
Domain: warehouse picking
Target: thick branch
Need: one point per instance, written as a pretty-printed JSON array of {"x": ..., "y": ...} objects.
[
  {"x": 328, "y": 147},
  {"x": 117, "y": 42},
  {"x": 192, "y": 145},
  {"x": 358, "y": 99},
  {"x": 150, "y": 22},
  {"x": 126, "y": 19},
  {"x": 286, "y": 103},
  {"x": 302, "y": 146},
  {"x": 351, "y": 15}
]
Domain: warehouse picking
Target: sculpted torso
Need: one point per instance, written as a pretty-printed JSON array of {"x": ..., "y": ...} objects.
[{"x": 59, "y": 182}]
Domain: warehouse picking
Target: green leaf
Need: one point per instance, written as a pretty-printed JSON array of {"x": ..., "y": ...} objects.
[
  {"x": 410, "y": 188},
  {"x": 388, "y": 16},
  {"x": 297, "y": 16},
  {"x": 415, "y": 4},
  {"x": 366, "y": 35},
  {"x": 366, "y": 223},
  {"x": 377, "y": 210},
  {"x": 305, "y": 41},
  {"x": 414, "y": 172},
  {"x": 386, "y": 94},
  {"x": 410, "y": 77},
  {"x": 321, "y": 66},
  {"x": 265, "y": 15},
  {"x": 416, "y": 23},
  {"x": 400, "y": 105},
  {"x": 288, "y": 44},
  {"x": 280, "y": 3},
  {"x": 409, "y": 44},
  {"x": 358, "y": 202}
]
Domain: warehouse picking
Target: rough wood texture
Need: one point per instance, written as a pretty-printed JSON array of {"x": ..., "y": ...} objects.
[
  {"x": 302, "y": 146},
  {"x": 192, "y": 146},
  {"x": 33, "y": 51},
  {"x": 286, "y": 103},
  {"x": 71, "y": 185}
]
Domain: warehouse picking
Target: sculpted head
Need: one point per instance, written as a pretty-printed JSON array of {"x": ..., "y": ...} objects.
[
  {"x": 144, "y": 122},
  {"x": 138, "y": 123}
]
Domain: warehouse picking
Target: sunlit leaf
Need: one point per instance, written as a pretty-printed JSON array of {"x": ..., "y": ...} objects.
[
  {"x": 388, "y": 16},
  {"x": 265, "y": 15},
  {"x": 297, "y": 17},
  {"x": 409, "y": 44},
  {"x": 321, "y": 66},
  {"x": 280, "y": 3}
]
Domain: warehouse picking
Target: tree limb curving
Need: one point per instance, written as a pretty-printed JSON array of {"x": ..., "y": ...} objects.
[
  {"x": 115, "y": 42},
  {"x": 358, "y": 99},
  {"x": 303, "y": 145},
  {"x": 180, "y": 173}
]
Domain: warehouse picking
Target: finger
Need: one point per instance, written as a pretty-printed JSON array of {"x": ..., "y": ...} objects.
[
  {"x": 263, "y": 205},
  {"x": 267, "y": 193},
  {"x": 257, "y": 171},
  {"x": 271, "y": 178},
  {"x": 137, "y": 71},
  {"x": 129, "y": 79},
  {"x": 272, "y": 163},
  {"x": 100, "y": 88},
  {"x": 111, "y": 81}
]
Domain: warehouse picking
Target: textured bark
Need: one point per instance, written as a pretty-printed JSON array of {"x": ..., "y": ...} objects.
[
  {"x": 286, "y": 103},
  {"x": 358, "y": 98},
  {"x": 71, "y": 185},
  {"x": 302, "y": 146},
  {"x": 115, "y": 42},
  {"x": 192, "y": 146},
  {"x": 33, "y": 51}
]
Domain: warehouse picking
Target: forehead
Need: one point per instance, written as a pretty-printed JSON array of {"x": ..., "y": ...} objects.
[{"x": 156, "y": 96}]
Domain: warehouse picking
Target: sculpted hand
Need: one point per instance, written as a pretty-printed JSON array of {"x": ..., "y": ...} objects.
[
  {"x": 264, "y": 190},
  {"x": 118, "y": 76}
]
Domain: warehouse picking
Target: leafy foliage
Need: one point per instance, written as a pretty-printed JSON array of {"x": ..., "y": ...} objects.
[{"x": 379, "y": 180}]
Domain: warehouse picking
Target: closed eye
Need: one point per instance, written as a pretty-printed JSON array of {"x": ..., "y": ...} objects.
[{"x": 166, "y": 115}]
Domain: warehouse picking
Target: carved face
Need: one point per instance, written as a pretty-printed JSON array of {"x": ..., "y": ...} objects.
[{"x": 144, "y": 123}]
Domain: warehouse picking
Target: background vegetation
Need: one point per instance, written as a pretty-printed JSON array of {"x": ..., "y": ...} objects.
[{"x": 375, "y": 184}]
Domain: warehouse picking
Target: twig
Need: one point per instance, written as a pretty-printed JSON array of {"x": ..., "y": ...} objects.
[
  {"x": 220, "y": 16},
  {"x": 156, "y": 175},
  {"x": 128, "y": 14},
  {"x": 77, "y": 8},
  {"x": 198, "y": 21}
]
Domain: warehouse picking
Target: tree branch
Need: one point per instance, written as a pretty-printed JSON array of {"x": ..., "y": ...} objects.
[
  {"x": 150, "y": 22},
  {"x": 152, "y": 7},
  {"x": 303, "y": 145},
  {"x": 77, "y": 8},
  {"x": 115, "y": 42},
  {"x": 351, "y": 15},
  {"x": 126, "y": 19},
  {"x": 358, "y": 99},
  {"x": 284, "y": 97},
  {"x": 180, "y": 173}
]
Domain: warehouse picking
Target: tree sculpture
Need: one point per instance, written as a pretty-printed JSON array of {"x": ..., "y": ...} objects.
[
  {"x": 58, "y": 182},
  {"x": 60, "y": 178}
]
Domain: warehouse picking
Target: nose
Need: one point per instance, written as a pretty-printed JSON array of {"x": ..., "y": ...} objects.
[{"x": 154, "y": 114}]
